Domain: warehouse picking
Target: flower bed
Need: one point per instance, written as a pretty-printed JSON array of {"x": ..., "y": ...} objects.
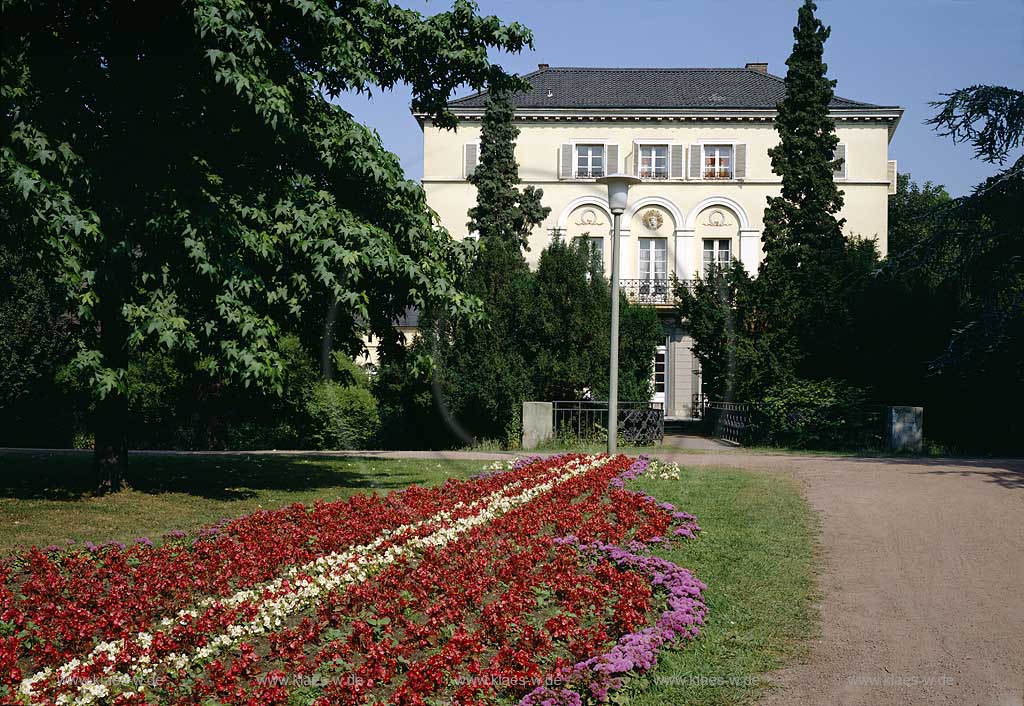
[{"x": 526, "y": 583}]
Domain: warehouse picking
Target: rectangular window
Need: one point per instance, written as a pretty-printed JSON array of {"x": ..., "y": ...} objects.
[
  {"x": 589, "y": 161},
  {"x": 652, "y": 161},
  {"x": 717, "y": 253},
  {"x": 659, "y": 373},
  {"x": 717, "y": 162},
  {"x": 654, "y": 259},
  {"x": 594, "y": 245}
]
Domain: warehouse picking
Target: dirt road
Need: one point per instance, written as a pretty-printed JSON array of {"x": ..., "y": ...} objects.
[{"x": 922, "y": 583}]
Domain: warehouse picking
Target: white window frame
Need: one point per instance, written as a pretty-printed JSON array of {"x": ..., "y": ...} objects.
[
  {"x": 650, "y": 275},
  {"x": 704, "y": 146},
  {"x": 656, "y": 396},
  {"x": 717, "y": 253},
  {"x": 716, "y": 143},
  {"x": 586, "y": 142},
  {"x": 577, "y": 173},
  {"x": 638, "y": 146}
]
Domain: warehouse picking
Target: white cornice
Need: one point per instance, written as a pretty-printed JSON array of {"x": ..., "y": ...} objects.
[{"x": 890, "y": 115}]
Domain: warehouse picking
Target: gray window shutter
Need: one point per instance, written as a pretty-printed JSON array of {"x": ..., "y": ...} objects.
[
  {"x": 611, "y": 159},
  {"x": 565, "y": 166},
  {"x": 471, "y": 153},
  {"x": 893, "y": 175},
  {"x": 695, "y": 162},
  {"x": 740, "y": 170},
  {"x": 676, "y": 162},
  {"x": 840, "y": 153}
]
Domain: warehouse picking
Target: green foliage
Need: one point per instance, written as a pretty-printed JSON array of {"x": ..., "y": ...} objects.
[
  {"x": 570, "y": 322},
  {"x": 814, "y": 414},
  {"x": 36, "y": 339},
  {"x": 991, "y": 118},
  {"x": 413, "y": 415},
  {"x": 914, "y": 212},
  {"x": 640, "y": 332},
  {"x": 486, "y": 370},
  {"x": 720, "y": 311},
  {"x": 502, "y": 210},
  {"x": 803, "y": 241},
  {"x": 796, "y": 319},
  {"x": 342, "y": 416},
  {"x": 192, "y": 187}
]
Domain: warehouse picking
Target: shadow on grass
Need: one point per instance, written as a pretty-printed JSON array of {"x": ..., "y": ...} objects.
[{"x": 68, "y": 476}]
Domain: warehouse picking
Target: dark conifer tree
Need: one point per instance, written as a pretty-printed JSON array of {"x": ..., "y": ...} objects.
[{"x": 488, "y": 373}]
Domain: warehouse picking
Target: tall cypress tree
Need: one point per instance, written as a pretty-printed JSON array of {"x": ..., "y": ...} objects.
[
  {"x": 488, "y": 373},
  {"x": 502, "y": 212},
  {"x": 800, "y": 225},
  {"x": 809, "y": 266}
]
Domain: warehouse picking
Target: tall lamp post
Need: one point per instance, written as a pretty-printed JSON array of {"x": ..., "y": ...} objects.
[{"x": 618, "y": 188}]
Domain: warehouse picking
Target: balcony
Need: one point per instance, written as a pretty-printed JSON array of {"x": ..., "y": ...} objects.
[
  {"x": 596, "y": 173},
  {"x": 651, "y": 291}
]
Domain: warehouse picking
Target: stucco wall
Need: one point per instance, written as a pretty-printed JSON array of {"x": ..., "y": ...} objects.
[{"x": 680, "y": 201}]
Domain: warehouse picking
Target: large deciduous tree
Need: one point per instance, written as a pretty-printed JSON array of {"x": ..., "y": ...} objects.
[
  {"x": 193, "y": 187},
  {"x": 986, "y": 233}
]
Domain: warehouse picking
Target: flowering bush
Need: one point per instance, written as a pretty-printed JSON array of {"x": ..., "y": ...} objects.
[{"x": 527, "y": 581}]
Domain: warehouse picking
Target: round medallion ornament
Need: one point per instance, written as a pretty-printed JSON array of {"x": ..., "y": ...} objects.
[{"x": 653, "y": 219}]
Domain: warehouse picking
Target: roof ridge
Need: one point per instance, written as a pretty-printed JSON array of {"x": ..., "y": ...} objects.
[
  {"x": 628, "y": 86},
  {"x": 651, "y": 68}
]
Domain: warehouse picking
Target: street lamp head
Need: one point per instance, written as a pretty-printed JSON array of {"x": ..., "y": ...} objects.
[{"x": 618, "y": 187}]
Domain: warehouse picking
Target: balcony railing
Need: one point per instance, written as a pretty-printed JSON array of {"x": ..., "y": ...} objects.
[
  {"x": 589, "y": 173},
  {"x": 718, "y": 174},
  {"x": 648, "y": 173},
  {"x": 647, "y": 291}
]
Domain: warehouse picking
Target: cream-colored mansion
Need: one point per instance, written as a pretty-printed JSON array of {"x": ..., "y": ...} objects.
[{"x": 699, "y": 140}]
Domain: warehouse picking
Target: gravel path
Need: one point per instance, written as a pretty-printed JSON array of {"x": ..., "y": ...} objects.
[{"x": 922, "y": 582}]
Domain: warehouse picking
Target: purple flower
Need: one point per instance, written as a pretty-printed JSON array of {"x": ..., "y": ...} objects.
[
  {"x": 144, "y": 541},
  {"x": 635, "y": 651}
]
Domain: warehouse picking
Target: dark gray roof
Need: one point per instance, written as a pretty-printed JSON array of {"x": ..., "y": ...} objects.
[{"x": 650, "y": 88}]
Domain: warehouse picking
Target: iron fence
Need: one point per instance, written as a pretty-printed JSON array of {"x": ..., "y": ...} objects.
[
  {"x": 639, "y": 423},
  {"x": 727, "y": 420},
  {"x": 860, "y": 426}
]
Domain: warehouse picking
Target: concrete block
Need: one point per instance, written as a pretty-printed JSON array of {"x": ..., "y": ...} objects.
[
  {"x": 905, "y": 428},
  {"x": 538, "y": 423}
]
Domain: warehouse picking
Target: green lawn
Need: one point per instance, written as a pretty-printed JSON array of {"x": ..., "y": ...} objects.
[
  {"x": 756, "y": 551},
  {"x": 43, "y": 496}
]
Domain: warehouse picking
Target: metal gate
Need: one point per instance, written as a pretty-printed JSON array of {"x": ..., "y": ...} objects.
[{"x": 640, "y": 423}]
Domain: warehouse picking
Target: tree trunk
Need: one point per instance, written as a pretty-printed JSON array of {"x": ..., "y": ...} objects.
[{"x": 110, "y": 455}]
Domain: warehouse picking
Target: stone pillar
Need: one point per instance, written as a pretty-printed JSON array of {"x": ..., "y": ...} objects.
[
  {"x": 538, "y": 423},
  {"x": 905, "y": 428}
]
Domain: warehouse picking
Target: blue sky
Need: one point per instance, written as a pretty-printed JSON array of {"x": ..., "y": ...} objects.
[{"x": 895, "y": 52}]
